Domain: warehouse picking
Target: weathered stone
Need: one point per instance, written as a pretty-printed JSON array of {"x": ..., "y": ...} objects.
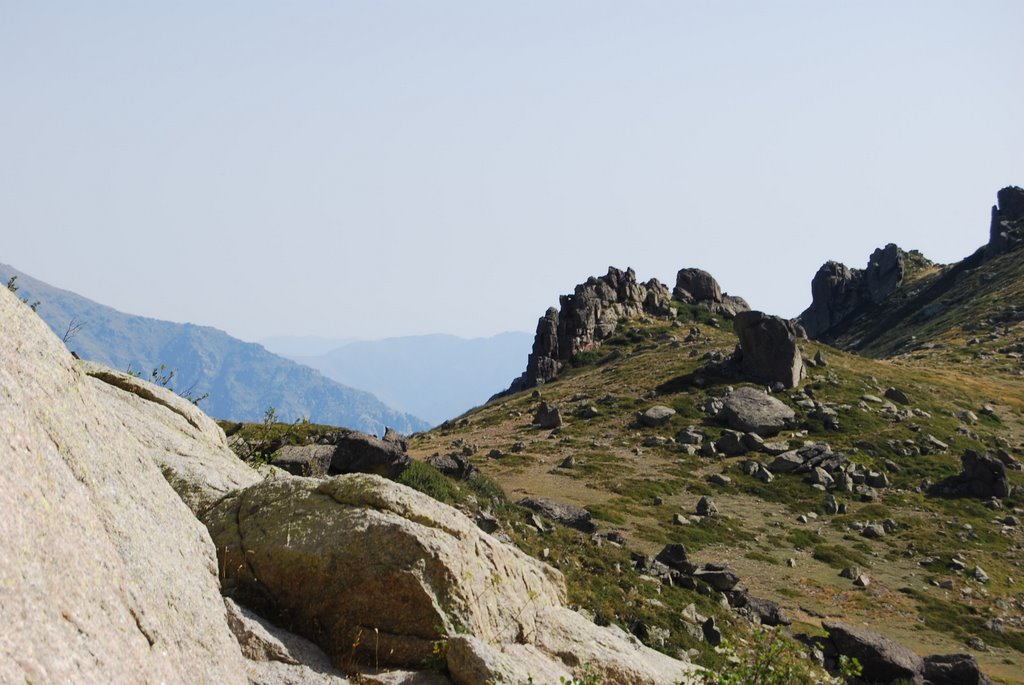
[
  {"x": 453, "y": 465},
  {"x": 711, "y": 632},
  {"x": 787, "y": 462},
  {"x": 304, "y": 460},
  {"x": 883, "y": 659},
  {"x": 718, "y": 576},
  {"x": 731, "y": 444},
  {"x": 105, "y": 575},
  {"x": 705, "y": 507},
  {"x": 983, "y": 476},
  {"x": 674, "y": 556},
  {"x": 768, "y": 612},
  {"x": 1006, "y": 231},
  {"x": 897, "y": 395},
  {"x": 357, "y": 452},
  {"x": 657, "y": 415},
  {"x": 751, "y": 410},
  {"x": 547, "y": 417},
  {"x": 953, "y": 669},
  {"x": 560, "y": 512},
  {"x": 767, "y": 350}
]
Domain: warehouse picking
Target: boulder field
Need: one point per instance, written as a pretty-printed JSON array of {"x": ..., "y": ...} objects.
[{"x": 108, "y": 573}]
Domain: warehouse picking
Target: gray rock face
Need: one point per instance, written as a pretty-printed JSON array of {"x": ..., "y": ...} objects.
[
  {"x": 586, "y": 318},
  {"x": 304, "y": 460},
  {"x": 838, "y": 292},
  {"x": 560, "y": 512},
  {"x": 453, "y": 465},
  {"x": 983, "y": 476},
  {"x": 769, "y": 612},
  {"x": 883, "y": 659},
  {"x": 696, "y": 285},
  {"x": 768, "y": 351},
  {"x": 953, "y": 669},
  {"x": 1007, "y": 229},
  {"x": 751, "y": 410},
  {"x": 360, "y": 453},
  {"x": 106, "y": 575},
  {"x": 718, "y": 576}
]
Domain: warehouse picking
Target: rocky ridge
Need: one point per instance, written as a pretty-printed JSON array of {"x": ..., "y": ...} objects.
[{"x": 591, "y": 314}]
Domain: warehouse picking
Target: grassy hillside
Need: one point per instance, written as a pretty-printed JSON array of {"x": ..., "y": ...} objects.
[
  {"x": 242, "y": 379},
  {"x": 634, "y": 480}
]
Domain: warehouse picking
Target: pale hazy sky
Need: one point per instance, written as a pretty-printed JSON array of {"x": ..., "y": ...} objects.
[{"x": 363, "y": 169}]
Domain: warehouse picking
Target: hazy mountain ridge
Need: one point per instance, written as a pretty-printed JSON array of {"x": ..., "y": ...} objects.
[
  {"x": 435, "y": 376},
  {"x": 242, "y": 379}
]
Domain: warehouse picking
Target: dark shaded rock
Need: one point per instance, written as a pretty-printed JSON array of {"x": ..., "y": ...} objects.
[
  {"x": 953, "y": 669},
  {"x": 588, "y": 411},
  {"x": 304, "y": 460},
  {"x": 547, "y": 417},
  {"x": 696, "y": 285},
  {"x": 767, "y": 351},
  {"x": 983, "y": 476},
  {"x": 884, "y": 660},
  {"x": 360, "y": 453},
  {"x": 391, "y": 435},
  {"x": 566, "y": 514},
  {"x": 835, "y": 293},
  {"x": 897, "y": 395},
  {"x": 884, "y": 272},
  {"x": 674, "y": 556},
  {"x": 731, "y": 444},
  {"x": 769, "y": 612},
  {"x": 787, "y": 462},
  {"x": 711, "y": 632},
  {"x": 751, "y": 410},
  {"x": 453, "y": 465},
  {"x": 718, "y": 576},
  {"x": 1007, "y": 228}
]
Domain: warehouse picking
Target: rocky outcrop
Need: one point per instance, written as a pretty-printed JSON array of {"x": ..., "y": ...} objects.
[
  {"x": 359, "y": 560},
  {"x": 839, "y": 292},
  {"x": 591, "y": 314},
  {"x": 983, "y": 476},
  {"x": 767, "y": 350},
  {"x": 696, "y": 286},
  {"x": 587, "y": 317},
  {"x": 304, "y": 460},
  {"x": 1007, "y": 228},
  {"x": 105, "y": 576}
]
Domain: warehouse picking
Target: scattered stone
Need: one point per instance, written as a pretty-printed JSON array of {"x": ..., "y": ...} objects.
[
  {"x": 719, "y": 479},
  {"x": 850, "y": 572},
  {"x": 751, "y": 410},
  {"x": 674, "y": 556},
  {"x": 718, "y": 576},
  {"x": 830, "y": 505},
  {"x": 360, "y": 453},
  {"x": 977, "y": 644},
  {"x": 453, "y": 465},
  {"x": 873, "y": 531},
  {"x": 706, "y": 507},
  {"x": 767, "y": 611},
  {"x": 568, "y": 463},
  {"x": 983, "y": 476},
  {"x": 787, "y": 462},
  {"x": 953, "y": 669},
  {"x": 657, "y": 415},
  {"x": 547, "y": 417},
  {"x": 679, "y": 520},
  {"x": 980, "y": 575},
  {"x": 897, "y": 395},
  {"x": 862, "y": 581},
  {"x": 566, "y": 514},
  {"x": 304, "y": 460},
  {"x": 731, "y": 444},
  {"x": 689, "y": 436}
]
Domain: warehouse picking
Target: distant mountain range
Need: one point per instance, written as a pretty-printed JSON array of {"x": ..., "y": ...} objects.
[
  {"x": 434, "y": 376},
  {"x": 243, "y": 379}
]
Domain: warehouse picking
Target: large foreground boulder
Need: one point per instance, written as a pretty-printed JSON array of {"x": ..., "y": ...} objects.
[
  {"x": 368, "y": 568},
  {"x": 768, "y": 351},
  {"x": 105, "y": 574}
]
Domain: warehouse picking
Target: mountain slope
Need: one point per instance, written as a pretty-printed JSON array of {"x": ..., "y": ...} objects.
[
  {"x": 242, "y": 379},
  {"x": 939, "y": 572},
  {"x": 902, "y": 304},
  {"x": 433, "y": 376}
]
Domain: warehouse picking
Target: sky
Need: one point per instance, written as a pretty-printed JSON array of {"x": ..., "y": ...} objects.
[{"x": 372, "y": 169}]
